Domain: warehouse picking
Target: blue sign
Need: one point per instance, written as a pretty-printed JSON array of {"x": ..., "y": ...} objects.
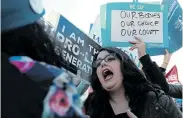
[
  {"x": 75, "y": 47},
  {"x": 126, "y": 20},
  {"x": 174, "y": 29},
  {"x": 174, "y": 24}
]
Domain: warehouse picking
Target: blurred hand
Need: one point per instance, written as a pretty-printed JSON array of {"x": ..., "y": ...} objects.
[
  {"x": 139, "y": 45},
  {"x": 75, "y": 78},
  {"x": 86, "y": 116},
  {"x": 167, "y": 57},
  {"x": 130, "y": 114}
]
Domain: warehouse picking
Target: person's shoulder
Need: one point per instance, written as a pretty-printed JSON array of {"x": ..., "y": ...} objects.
[
  {"x": 27, "y": 94},
  {"x": 13, "y": 78},
  {"x": 8, "y": 70}
]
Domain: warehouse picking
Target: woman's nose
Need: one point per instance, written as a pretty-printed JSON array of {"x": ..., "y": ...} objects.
[{"x": 103, "y": 63}]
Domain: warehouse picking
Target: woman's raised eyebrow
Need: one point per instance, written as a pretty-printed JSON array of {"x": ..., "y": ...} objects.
[{"x": 99, "y": 58}]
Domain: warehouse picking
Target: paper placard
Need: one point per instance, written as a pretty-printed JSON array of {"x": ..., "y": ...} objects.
[{"x": 127, "y": 24}]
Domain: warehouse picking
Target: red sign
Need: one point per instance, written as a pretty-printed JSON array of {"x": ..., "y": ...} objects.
[{"x": 172, "y": 75}]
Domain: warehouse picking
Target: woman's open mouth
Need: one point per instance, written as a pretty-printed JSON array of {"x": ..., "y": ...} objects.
[{"x": 107, "y": 74}]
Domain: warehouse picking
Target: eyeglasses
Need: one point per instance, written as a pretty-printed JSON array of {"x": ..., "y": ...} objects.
[{"x": 108, "y": 58}]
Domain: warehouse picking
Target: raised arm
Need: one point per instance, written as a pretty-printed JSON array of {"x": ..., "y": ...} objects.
[
  {"x": 153, "y": 72},
  {"x": 150, "y": 69},
  {"x": 166, "y": 60}
]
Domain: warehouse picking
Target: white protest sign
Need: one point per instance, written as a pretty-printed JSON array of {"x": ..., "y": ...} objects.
[{"x": 127, "y": 24}]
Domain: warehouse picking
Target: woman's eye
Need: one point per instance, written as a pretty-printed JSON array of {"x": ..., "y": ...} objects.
[{"x": 110, "y": 58}]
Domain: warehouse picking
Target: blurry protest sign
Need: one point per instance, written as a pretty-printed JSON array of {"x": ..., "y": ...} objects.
[
  {"x": 76, "y": 48},
  {"x": 126, "y": 20},
  {"x": 90, "y": 27},
  {"x": 174, "y": 28},
  {"x": 174, "y": 25},
  {"x": 95, "y": 34},
  {"x": 172, "y": 75}
]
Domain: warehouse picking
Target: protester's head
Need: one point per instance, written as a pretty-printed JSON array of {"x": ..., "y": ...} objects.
[
  {"x": 21, "y": 32},
  {"x": 112, "y": 70}
]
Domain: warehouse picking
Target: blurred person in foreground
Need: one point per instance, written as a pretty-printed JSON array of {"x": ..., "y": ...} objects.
[{"x": 29, "y": 66}]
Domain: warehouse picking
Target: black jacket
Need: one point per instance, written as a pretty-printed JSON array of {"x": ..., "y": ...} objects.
[
  {"x": 21, "y": 97},
  {"x": 156, "y": 76},
  {"x": 175, "y": 91},
  {"x": 164, "y": 106},
  {"x": 161, "y": 107}
]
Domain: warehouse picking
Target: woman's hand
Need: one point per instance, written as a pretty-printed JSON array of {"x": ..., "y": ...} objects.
[
  {"x": 167, "y": 57},
  {"x": 140, "y": 45},
  {"x": 130, "y": 114}
]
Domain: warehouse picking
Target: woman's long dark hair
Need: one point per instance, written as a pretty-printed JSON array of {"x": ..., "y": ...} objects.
[
  {"x": 30, "y": 40},
  {"x": 135, "y": 84}
]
